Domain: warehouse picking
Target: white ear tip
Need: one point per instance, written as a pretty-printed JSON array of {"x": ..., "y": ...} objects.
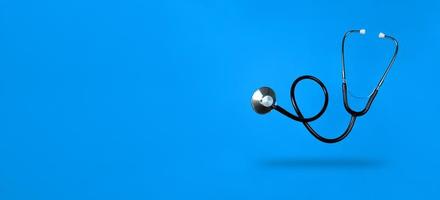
[
  {"x": 381, "y": 35},
  {"x": 362, "y": 31}
]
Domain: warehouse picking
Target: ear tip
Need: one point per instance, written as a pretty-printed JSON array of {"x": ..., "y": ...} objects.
[
  {"x": 362, "y": 31},
  {"x": 381, "y": 35}
]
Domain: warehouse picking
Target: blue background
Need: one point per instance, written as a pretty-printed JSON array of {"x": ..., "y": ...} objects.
[{"x": 151, "y": 100}]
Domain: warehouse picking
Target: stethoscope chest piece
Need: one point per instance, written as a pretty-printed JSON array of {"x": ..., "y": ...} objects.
[{"x": 263, "y": 100}]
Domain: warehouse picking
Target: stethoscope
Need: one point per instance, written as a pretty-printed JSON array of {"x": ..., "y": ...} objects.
[{"x": 263, "y": 99}]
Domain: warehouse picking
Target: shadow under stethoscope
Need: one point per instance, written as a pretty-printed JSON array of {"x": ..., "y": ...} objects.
[{"x": 324, "y": 163}]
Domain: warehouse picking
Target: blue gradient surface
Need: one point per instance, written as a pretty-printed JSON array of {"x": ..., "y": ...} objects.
[{"x": 151, "y": 100}]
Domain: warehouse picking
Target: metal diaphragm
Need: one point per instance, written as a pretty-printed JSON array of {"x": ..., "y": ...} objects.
[{"x": 263, "y": 99}]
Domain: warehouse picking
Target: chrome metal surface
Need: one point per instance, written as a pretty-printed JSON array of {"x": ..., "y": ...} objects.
[{"x": 263, "y": 100}]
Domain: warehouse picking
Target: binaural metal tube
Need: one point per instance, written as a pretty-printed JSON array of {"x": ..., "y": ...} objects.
[{"x": 396, "y": 50}]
